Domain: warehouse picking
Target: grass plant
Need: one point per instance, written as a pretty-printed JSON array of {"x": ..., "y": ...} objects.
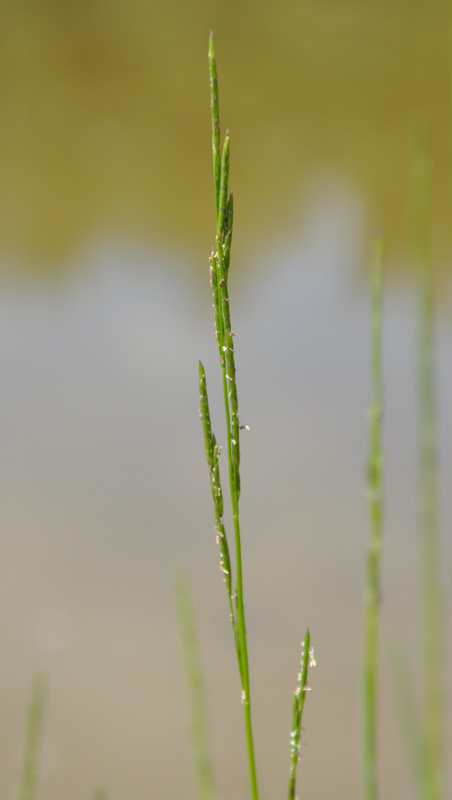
[
  {"x": 219, "y": 269},
  {"x": 375, "y": 480},
  {"x": 219, "y": 272}
]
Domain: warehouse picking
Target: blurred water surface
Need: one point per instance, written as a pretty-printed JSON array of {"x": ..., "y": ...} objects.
[
  {"x": 105, "y": 121},
  {"x": 103, "y": 488}
]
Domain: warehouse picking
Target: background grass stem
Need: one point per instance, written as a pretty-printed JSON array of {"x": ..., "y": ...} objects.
[
  {"x": 372, "y": 591},
  {"x": 431, "y": 611},
  {"x": 33, "y": 734},
  {"x": 202, "y": 760}
]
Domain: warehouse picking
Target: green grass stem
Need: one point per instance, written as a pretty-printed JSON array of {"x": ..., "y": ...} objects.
[
  {"x": 375, "y": 479},
  {"x": 307, "y": 661},
  {"x": 431, "y": 611},
  {"x": 30, "y": 765},
  {"x": 407, "y": 708},
  {"x": 219, "y": 272},
  {"x": 198, "y": 714}
]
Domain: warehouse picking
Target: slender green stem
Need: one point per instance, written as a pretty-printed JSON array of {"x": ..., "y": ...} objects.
[
  {"x": 199, "y": 729},
  {"x": 219, "y": 271},
  {"x": 307, "y": 661},
  {"x": 372, "y": 595},
  {"x": 432, "y": 655},
  {"x": 246, "y": 698},
  {"x": 29, "y": 777}
]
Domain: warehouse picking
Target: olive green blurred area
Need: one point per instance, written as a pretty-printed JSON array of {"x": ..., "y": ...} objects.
[{"x": 105, "y": 125}]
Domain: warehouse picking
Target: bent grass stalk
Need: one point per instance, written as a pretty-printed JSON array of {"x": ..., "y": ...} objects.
[
  {"x": 219, "y": 269},
  {"x": 375, "y": 478}
]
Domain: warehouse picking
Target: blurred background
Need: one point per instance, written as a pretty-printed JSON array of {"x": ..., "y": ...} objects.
[{"x": 106, "y": 224}]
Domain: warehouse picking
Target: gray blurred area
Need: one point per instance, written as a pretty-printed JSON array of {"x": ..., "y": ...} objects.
[{"x": 106, "y": 224}]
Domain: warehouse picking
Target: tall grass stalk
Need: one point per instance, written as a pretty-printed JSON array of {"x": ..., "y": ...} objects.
[
  {"x": 30, "y": 765},
  {"x": 431, "y": 615},
  {"x": 375, "y": 481},
  {"x": 219, "y": 269},
  {"x": 199, "y": 729}
]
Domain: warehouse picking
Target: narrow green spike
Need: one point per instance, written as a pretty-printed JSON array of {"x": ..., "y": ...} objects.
[
  {"x": 215, "y": 115},
  {"x": 228, "y": 234},
  {"x": 307, "y": 660},
  {"x": 216, "y": 302},
  {"x": 212, "y": 456},
  {"x": 204, "y": 414},
  {"x": 223, "y": 199}
]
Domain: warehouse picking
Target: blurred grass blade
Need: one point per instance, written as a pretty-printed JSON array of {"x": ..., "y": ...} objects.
[
  {"x": 307, "y": 661},
  {"x": 30, "y": 766},
  {"x": 406, "y": 708},
  {"x": 431, "y": 611},
  {"x": 198, "y": 716},
  {"x": 100, "y": 794},
  {"x": 375, "y": 478}
]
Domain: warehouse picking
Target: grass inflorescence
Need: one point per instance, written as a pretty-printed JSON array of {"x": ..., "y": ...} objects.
[{"x": 219, "y": 273}]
